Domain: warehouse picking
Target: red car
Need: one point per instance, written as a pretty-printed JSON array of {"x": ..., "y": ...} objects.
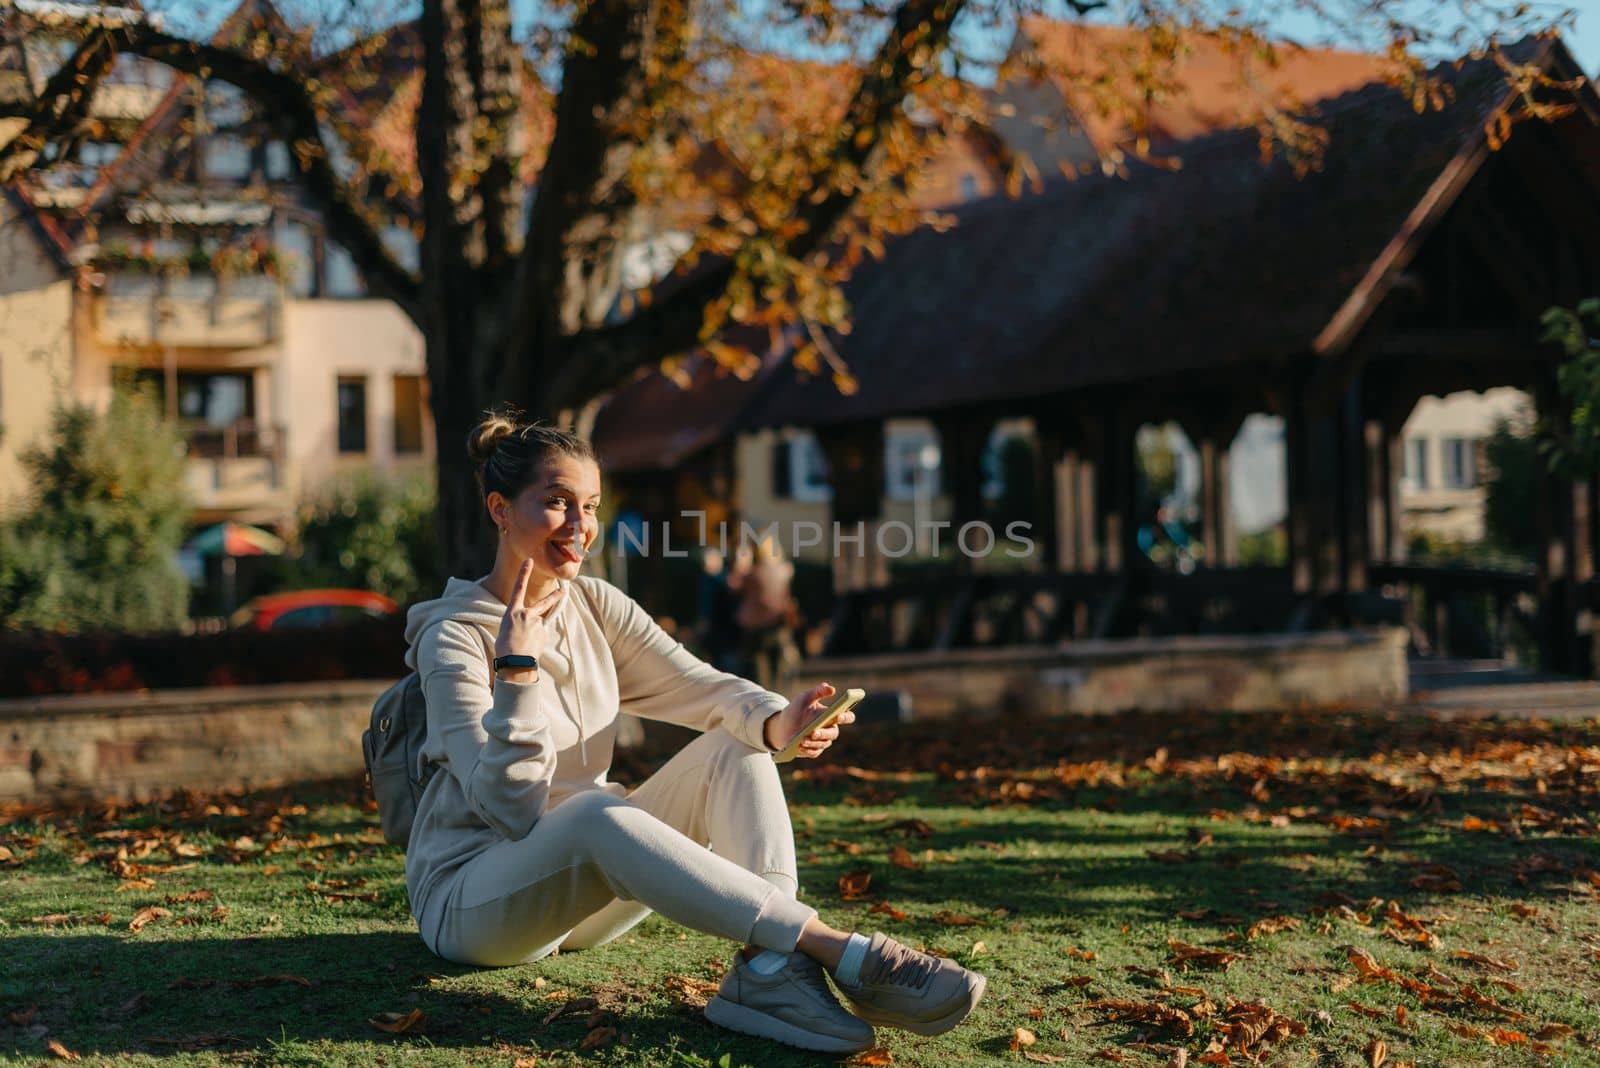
[{"x": 312, "y": 608}]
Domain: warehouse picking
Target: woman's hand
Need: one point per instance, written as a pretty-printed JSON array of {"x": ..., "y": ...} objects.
[
  {"x": 781, "y": 727},
  {"x": 522, "y": 630}
]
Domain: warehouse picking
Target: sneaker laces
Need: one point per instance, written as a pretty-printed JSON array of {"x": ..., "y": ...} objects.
[{"x": 901, "y": 965}]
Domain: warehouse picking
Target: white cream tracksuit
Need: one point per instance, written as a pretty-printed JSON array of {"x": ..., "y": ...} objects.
[{"x": 521, "y": 846}]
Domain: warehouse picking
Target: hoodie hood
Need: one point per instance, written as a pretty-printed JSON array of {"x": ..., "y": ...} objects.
[{"x": 462, "y": 599}]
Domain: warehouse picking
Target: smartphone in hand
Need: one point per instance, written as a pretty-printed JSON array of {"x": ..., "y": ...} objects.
[{"x": 841, "y": 704}]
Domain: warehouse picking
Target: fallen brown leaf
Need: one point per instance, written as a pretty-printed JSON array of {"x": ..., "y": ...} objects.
[
  {"x": 61, "y": 1052},
  {"x": 853, "y": 884},
  {"x": 1146, "y": 1012},
  {"x": 1553, "y": 1031},
  {"x": 1272, "y": 925},
  {"x": 1367, "y": 1011},
  {"x": 953, "y": 919},
  {"x": 1079, "y": 954},
  {"x": 1184, "y": 955},
  {"x": 1487, "y": 962},
  {"x": 1023, "y": 1037},
  {"x": 598, "y": 1037},
  {"x": 1042, "y": 1058},
  {"x": 146, "y": 916},
  {"x": 901, "y": 857},
  {"x": 1377, "y": 1053},
  {"x": 573, "y": 1006},
  {"x": 398, "y": 1023},
  {"x": 874, "y": 1057}
]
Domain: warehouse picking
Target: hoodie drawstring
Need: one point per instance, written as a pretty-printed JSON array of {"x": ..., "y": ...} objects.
[{"x": 566, "y": 646}]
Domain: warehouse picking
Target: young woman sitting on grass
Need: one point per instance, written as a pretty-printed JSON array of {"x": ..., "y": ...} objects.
[{"x": 525, "y": 847}]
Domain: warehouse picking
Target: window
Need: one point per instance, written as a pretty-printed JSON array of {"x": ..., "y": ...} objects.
[
  {"x": 911, "y": 464},
  {"x": 297, "y": 249},
  {"x": 1416, "y": 463},
  {"x": 800, "y": 468},
  {"x": 339, "y": 275},
  {"x": 213, "y": 400},
  {"x": 407, "y": 413},
  {"x": 277, "y": 163},
  {"x": 227, "y": 157},
  {"x": 1460, "y": 463},
  {"x": 352, "y": 414}
]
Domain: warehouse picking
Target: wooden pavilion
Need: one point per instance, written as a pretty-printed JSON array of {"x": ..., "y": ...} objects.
[{"x": 1415, "y": 260}]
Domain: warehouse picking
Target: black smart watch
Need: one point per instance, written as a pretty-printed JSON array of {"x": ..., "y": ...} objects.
[{"x": 517, "y": 661}]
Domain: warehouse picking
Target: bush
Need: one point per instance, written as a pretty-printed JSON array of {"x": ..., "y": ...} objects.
[
  {"x": 1510, "y": 515},
  {"x": 96, "y": 548},
  {"x": 372, "y": 534}
]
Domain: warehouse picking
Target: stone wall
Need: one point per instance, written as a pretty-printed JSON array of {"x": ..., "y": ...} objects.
[
  {"x": 140, "y": 745},
  {"x": 1223, "y": 673}
]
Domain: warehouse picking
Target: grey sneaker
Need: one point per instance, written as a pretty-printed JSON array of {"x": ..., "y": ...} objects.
[
  {"x": 913, "y": 991},
  {"x": 793, "y": 1006}
]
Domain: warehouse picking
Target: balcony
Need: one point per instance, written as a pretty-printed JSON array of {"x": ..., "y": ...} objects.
[
  {"x": 197, "y": 311},
  {"x": 237, "y": 468}
]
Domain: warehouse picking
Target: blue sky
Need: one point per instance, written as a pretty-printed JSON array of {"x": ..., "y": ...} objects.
[{"x": 1583, "y": 38}]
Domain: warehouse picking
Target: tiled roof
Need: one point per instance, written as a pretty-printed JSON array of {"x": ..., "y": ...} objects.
[
  {"x": 1109, "y": 280},
  {"x": 1206, "y": 88}
]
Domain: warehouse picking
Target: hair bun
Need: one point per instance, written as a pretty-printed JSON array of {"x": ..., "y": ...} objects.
[{"x": 484, "y": 438}]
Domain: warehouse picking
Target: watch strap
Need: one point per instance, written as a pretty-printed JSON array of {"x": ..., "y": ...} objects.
[{"x": 517, "y": 661}]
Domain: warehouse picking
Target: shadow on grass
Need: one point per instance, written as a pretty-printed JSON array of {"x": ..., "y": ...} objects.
[{"x": 101, "y": 995}]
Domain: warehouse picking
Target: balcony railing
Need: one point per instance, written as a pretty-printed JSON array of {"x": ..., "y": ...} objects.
[
  {"x": 236, "y": 467},
  {"x": 193, "y": 312}
]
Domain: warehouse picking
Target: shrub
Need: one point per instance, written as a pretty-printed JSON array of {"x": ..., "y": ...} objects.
[
  {"x": 95, "y": 549},
  {"x": 373, "y": 534}
]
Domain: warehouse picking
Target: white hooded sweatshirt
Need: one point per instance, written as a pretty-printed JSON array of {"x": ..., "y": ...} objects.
[{"x": 509, "y": 752}]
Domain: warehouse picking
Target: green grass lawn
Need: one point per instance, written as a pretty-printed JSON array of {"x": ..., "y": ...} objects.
[{"x": 1070, "y": 861}]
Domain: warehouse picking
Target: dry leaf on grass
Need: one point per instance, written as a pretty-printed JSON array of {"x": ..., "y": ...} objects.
[
  {"x": 1043, "y": 1058},
  {"x": 1079, "y": 954},
  {"x": 953, "y": 919},
  {"x": 58, "y": 1050},
  {"x": 597, "y": 1037},
  {"x": 853, "y": 884},
  {"x": 1367, "y": 1011},
  {"x": 1023, "y": 1037},
  {"x": 1146, "y": 1012},
  {"x": 1272, "y": 925},
  {"x": 1377, "y": 1053},
  {"x": 874, "y": 1057},
  {"x": 146, "y": 916},
  {"x": 399, "y": 1023},
  {"x": 1184, "y": 955},
  {"x": 574, "y": 1006},
  {"x": 883, "y": 908},
  {"x": 1487, "y": 962},
  {"x": 1553, "y": 1031},
  {"x": 901, "y": 857}
]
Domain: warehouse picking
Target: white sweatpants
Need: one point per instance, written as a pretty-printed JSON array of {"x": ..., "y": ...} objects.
[{"x": 598, "y": 864}]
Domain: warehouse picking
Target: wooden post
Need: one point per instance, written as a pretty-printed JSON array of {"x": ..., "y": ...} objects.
[
  {"x": 1115, "y": 490},
  {"x": 1051, "y": 506},
  {"x": 1558, "y": 559},
  {"x": 963, "y": 436},
  {"x": 855, "y": 466},
  {"x": 1216, "y": 521}
]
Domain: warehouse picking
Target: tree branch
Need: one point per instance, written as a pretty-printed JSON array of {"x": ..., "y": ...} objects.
[
  {"x": 596, "y": 360},
  {"x": 283, "y": 96},
  {"x": 62, "y": 106},
  {"x": 577, "y": 230}
]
